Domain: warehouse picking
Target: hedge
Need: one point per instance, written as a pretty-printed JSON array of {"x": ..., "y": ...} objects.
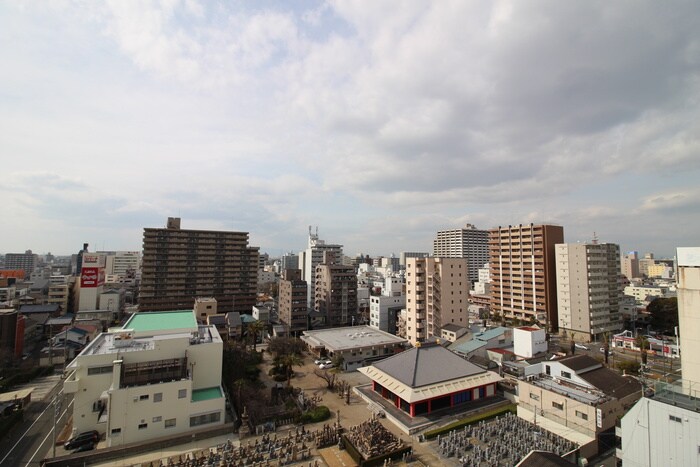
[
  {"x": 318, "y": 414},
  {"x": 469, "y": 420}
]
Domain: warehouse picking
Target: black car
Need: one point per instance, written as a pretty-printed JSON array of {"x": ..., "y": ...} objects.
[
  {"x": 86, "y": 447},
  {"x": 87, "y": 437}
]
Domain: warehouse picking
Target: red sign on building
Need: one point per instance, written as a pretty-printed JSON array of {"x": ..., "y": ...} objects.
[{"x": 91, "y": 277}]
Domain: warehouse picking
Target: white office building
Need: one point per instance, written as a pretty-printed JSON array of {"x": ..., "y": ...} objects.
[{"x": 159, "y": 375}]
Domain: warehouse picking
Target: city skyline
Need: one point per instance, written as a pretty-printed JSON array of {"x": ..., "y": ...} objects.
[{"x": 379, "y": 125}]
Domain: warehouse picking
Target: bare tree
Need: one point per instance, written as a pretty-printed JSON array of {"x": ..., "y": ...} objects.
[{"x": 327, "y": 376}]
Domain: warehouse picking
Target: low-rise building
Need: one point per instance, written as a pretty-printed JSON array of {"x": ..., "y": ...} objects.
[
  {"x": 428, "y": 378},
  {"x": 529, "y": 341},
  {"x": 357, "y": 345},
  {"x": 577, "y": 393},
  {"x": 157, "y": 376}
]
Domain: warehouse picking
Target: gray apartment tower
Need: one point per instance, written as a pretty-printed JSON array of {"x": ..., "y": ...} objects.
[{"x": 468, "y": 242}]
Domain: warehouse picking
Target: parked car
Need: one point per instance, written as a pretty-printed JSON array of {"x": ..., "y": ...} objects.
[
  {"x": 326, "y": 366},
  {"x": 581, "y": 346},
  {"x": 318, "y": 361},
  {"x": 89, "y": 446},
  {"x": 81, "y": 439}
]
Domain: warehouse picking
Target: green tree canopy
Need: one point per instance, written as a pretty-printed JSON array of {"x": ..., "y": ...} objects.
[{"x": 664, "y": 314}]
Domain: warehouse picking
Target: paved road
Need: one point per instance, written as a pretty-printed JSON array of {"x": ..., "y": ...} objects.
[{"x": 31, "y": 440}]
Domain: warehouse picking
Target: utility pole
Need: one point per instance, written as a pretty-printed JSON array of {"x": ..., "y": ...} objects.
[{"x": 56, "y": 412}]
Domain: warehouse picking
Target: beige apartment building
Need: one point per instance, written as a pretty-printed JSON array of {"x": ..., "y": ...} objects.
[
  {"x": 589, "y": 292},
  {"x": 437, "y": 293},
  {"x": 293, "y": 309},
  {"x": 179, "y": 265}
]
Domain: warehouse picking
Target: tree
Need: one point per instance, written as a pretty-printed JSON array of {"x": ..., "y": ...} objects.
[
  {"x": 327, "y": 376},
  {"x": 281, "y": 346},
  {"x": 253, "y": 329},
  {"x": 664, "y": 314},
  {"x": 606, "y": 345},
  {"x": 629, "y": 367},
  {"x": 643, "y": 345},
  {"x": 289, "y": 362}
]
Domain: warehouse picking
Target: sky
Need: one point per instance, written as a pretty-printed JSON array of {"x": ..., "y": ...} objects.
[{"x": 379, "y": 122}]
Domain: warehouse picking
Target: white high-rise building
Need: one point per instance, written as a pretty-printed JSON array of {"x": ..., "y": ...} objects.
[
  {"x": 588, "y": 289},
  {"x": 468, "y": 242},
  {"x": 312, "y": 257}
]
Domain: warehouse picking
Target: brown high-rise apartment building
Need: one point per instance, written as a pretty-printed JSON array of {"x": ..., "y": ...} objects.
[
  {"x": 293, "y": 309},
  {"x": 336, "y": 292},
  {"x": 437, "y": 293},
  {"x": 179, "y": 265},
  {"x": 523, "y": 274}
]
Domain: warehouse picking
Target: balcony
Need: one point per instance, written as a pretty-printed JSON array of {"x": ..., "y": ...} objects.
[{"x": 72, "y": 383}]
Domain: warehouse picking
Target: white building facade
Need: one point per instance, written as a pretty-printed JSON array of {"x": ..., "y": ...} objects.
[
  {"x": 160, "y": 375},
  {"x": 588, "y": 289},
  {"x": 312, "y": 257}
]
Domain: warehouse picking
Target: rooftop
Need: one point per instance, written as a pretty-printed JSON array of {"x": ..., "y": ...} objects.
[
  {"x": 425, "y": 365},
  {"x": 335, "y": 339},
  {"x": 162, "y": 321},
  {"x": 124, "y": 340},
  {"x": 206, "y": 394}
]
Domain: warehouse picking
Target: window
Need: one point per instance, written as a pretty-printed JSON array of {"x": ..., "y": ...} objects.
[
  {"x": 143, "y": 426},
  {"x": 144, "y": 397},
  {"x": 557, "y": 405},
  {"x": 99, "y": 370},
  {"x": 673, "y": 418},
  {"x": 566, "y": 374},
  {"x": 116, "y": 431},
  {"x": 169, "y": 423},
  {"x": 582, "y": 415},
  {"x": 205, "y": 419},
  {"x": 534, "y": 396},
  {"x": 182, "y": 393},
  {"x": 157, "y": 397},
  {"x": 157, "y": 419}
]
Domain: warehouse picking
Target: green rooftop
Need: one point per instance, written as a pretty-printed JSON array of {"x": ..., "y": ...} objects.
[
  {"x": 161, "y": 321},
  {"x": 206, "y": 394}
]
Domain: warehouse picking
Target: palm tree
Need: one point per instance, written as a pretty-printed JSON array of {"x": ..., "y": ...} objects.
[
  {"x": 255, "y": 328},
  {"x": 643, "y": 345},
  {"x": 289, "y": 361},
  {"x": 606, "y": 345}
]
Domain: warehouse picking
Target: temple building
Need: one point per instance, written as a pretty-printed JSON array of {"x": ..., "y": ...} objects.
[{"x": 428, "y": 378}]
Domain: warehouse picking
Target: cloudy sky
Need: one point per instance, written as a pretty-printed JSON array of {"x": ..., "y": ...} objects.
[{"x": 380, "y": 122}]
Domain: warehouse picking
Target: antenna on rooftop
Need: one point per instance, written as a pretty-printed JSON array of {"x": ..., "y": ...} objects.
[{"x": 595, "y": 238}]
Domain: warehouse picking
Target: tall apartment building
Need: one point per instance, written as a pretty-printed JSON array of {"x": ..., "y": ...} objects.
[
  {"x": 523, "y": 277},
  {"x": 312, "y": 257},
  {"x": 289, "y": 261},
  {"x": 293, "y": 310},
  {"x": 179, "y": 265},
  {"x": 336, "y": 292},
  {"x": 589, "y": 293},
  {"x": 26, "y": 261},
  {"x": 468, "y": 242},
  {"x": 437, "y": 293},
  {"x": 629, "y": 265}
]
